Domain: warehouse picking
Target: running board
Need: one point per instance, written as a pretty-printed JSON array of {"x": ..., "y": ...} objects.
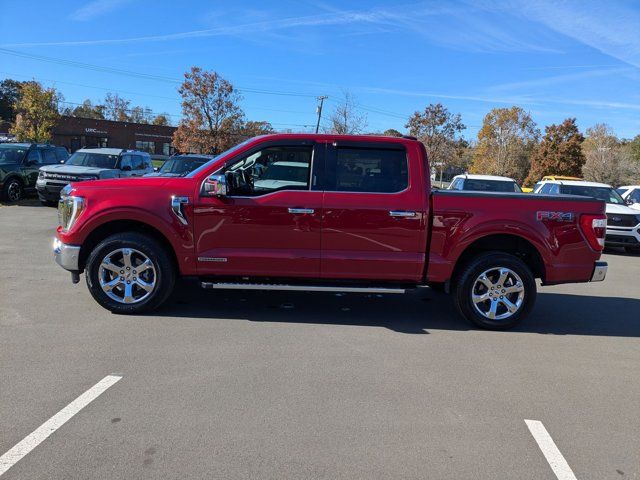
[{"x": 299, "y": 288}]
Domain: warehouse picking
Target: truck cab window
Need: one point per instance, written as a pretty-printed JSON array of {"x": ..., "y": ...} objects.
[
  {"x": 269, "y": 170},
  {"x": 372, "y": 170}
]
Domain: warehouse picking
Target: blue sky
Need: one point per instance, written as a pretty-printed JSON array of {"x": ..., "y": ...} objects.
[{"x": 556, "y": 59}]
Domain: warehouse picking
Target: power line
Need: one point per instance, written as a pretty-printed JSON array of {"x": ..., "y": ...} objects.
[{"x": 130, "y": 73}]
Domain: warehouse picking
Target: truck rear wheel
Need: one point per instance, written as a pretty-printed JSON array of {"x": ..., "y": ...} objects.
[
  {"x": 495, "y": 291},
  {"x": 130, "y": 273}
]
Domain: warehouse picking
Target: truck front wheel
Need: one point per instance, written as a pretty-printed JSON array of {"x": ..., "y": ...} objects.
[
  {"x": 495, "y": 290},
  {"x": 130, "y": 273}
]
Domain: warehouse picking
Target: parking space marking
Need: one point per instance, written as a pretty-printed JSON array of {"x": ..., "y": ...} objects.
[
  {"x": 41, "y": 433},
  {"x": 550, "y": 451}
]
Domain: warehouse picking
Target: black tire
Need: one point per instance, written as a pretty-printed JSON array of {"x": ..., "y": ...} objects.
[
  {"x": 165, "y": 272},
  {"x": 464, "y": 284},
  {"x": 632, "y": 250},
  {"x": 13, "y": 190}
]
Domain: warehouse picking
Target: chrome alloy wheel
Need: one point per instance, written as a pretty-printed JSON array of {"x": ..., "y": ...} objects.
[
  {"x": 497, "y": 293},
  {"x": 127, "y": 275}
]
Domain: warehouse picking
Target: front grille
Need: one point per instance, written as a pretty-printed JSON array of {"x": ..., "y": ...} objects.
[
  {"x": 622, "y": 220},
  {"x": 62, "y": 176}
]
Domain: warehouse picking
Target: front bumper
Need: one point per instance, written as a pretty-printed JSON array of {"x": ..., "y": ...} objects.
[
  {"x": 599, "y": 272},
  {"x": 67, "y": 256},
  {"x": 49, "y": 192},
  {"x": 623, "y": 236}
]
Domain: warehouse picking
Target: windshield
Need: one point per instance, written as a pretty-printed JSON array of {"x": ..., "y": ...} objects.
[
  {"x": 606, "y": 194},
  {"x": 181, "y": 165},
  {"x": 12, "y": 153},
  {"x": 87, "y": 159},
  {"x": 490, "y": 185},
  {"x": 217, "y": 157}
]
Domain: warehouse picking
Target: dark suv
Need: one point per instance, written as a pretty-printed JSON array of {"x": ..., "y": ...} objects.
[{"x": 19, "y": 165}]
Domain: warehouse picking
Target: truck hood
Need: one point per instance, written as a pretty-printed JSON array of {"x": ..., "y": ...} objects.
[
  {"x": 132, "y": 184},
  {"x": 620, "y": 209},
  {"x": 74, "y": 170}
]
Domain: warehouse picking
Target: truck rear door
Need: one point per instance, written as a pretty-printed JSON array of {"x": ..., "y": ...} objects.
[{"x": 375, "y": 212}]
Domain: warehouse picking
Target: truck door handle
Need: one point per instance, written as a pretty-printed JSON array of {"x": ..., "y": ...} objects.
[
  {"x": 401, "y": 213},
  {"x": 301, "y": 211}
]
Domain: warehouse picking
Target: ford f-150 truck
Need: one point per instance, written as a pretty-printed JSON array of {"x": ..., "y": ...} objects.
[{"x": 325, "y": 213}]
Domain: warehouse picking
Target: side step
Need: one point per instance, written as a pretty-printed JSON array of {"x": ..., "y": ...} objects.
[{"x": 299, "y": 288}]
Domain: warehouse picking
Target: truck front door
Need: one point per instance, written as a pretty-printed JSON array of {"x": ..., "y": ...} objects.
[
  {"x": 268, "y": 224},
  {"x": 374, "y": 223}
]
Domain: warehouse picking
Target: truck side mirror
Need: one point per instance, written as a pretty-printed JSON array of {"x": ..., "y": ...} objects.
[
  {"x": 629, "y": 201},
  {"x": 126, "y": 168},
  {"x": 215, "y": 185}
]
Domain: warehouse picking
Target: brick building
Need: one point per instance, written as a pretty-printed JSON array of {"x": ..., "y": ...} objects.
[{"x": 74, "y": 133}]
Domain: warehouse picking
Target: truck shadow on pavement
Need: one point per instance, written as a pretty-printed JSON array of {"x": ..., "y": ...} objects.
[{"x": 414, "y": 313}]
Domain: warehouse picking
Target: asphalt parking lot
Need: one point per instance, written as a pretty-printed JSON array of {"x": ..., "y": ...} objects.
[{"x": 294, "y": 385}]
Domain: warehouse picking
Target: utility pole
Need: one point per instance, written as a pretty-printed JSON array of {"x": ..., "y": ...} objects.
[{"x": 321, "y": 99}]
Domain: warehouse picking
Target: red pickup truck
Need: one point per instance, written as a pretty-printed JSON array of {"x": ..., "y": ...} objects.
[{"x": 325, "y": 213}]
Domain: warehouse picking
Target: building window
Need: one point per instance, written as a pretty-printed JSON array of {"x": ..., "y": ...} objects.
[
  {"x": 102, "y": 142},
  {"x": 149, "y": 147},
  {"x": 167, "y": 149}
]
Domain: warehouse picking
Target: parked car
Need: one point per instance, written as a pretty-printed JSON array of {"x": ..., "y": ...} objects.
[
  {"x": 180, "y": 165},
  {"x": 19, "y": 164},
  {"x": 623, "y": 223},
  {"x": 362, "y": 219},
  {"x": 631, "y": 195},
  {"x": 91, "y": 164},
  {"x": 484, "y": 183}
]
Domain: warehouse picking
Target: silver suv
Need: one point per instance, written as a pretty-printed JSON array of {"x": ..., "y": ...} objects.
[{"x": 91, "y": 164}]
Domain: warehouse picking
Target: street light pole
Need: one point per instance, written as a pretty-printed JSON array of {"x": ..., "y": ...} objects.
[{"x": 321, "y": 99}]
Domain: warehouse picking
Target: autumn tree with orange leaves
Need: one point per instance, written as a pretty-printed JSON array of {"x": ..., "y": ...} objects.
[{"x": 212, "y": 118}]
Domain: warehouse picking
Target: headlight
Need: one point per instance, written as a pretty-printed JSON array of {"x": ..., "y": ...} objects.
[
  {"x": 69, "y": 209},
  {"x": 41, "y": 175}
]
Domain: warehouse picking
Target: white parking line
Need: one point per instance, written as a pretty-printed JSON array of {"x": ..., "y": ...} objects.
[
  {"x": 557, "y": 462},
  {"x": 41, "y": 433}
]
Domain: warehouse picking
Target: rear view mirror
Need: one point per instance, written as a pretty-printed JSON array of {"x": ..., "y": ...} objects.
[{"x": 215, "y": 186}]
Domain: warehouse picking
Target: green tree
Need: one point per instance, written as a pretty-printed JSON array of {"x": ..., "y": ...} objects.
[
  {"x": 440, "y": 131},
  {"x": 9, "y": 96},
  {"x": 392, "y": 132},
  {"x": 505, "y": 143},
  {"x": 161, "y": 119},
  {"x": 212, "y": 116},
  {"x": 36, "y": 113},
  {"x": 634, "y": 148},
  {"x": 559, "y": 152},
  {"x": 88, "y": 110}
]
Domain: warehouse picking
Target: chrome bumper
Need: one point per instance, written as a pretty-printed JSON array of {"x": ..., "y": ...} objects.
[
  {"x": 67, "y": 256},
  {"x": 599, "y": 272}
]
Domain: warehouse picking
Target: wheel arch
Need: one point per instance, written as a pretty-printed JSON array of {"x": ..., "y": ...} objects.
[
  {"x": 509, "y": 243},
  {"x": 109, "y": 228}
]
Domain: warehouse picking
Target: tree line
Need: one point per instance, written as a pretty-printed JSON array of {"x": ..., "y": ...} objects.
[{"x": 509, "y": 142}]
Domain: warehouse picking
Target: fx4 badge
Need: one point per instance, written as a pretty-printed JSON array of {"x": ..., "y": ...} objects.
[{"x": 555, "y": 216}]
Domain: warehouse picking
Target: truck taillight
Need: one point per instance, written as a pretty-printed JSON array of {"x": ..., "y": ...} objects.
[{"x": 594, "y": 228}]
